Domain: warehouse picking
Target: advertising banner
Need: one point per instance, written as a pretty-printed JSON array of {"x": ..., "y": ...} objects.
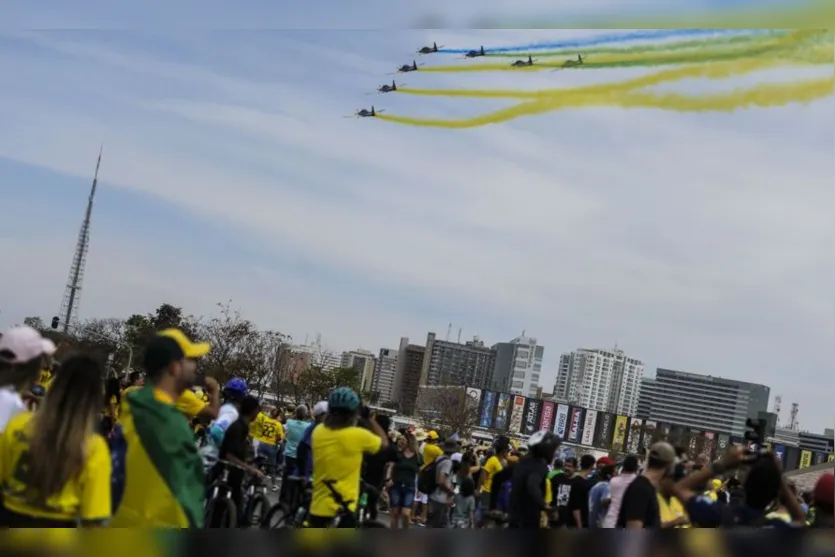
[
  {"x": 693, "y": 442},
  {"x": 546, "y": 417},
  {"x": 722, "y": 442},
  {"x": 502, "y": 411},
  {"x": 475, "y": 398},
  {"x": 516, "y": 414},
  {"x": 819, "y": 458},
  {"x": 530, "y": 418},
  {"x": 561, "y": 424},
  {"x": 791, "y": 458},
  {"x": 805, "y": 459},
  {"x": 663, "y": 430},
  {"x": 634, "y": 435},
  {"x": 605, "y": 426},
  {"x": 589, "y": 426},
  {"x": 619, "y": 436},
  {"x": 575, "y": 424},
  {"x": 488, "y": 407},
  {"x": 710, "y": 435},
  {"x": 780, "y": 453},
  {"x": 830, "y": 458},
  {"x": 650, "y": 429}
]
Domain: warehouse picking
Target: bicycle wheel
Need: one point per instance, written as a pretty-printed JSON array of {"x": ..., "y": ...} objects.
[
  {"x": 278, "y": 517},
  {"x": 257, "y": 509},
  {"x": 221, "y": 513}
]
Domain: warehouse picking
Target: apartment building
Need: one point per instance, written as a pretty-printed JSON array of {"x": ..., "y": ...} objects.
[
  {"x": 600, "y": 379},
  {"x": 518, "y": 366},
  {"x": 364, "y": 362},
  {"x": 452, "y": 363},
  {"x": 385, "y": 372}
]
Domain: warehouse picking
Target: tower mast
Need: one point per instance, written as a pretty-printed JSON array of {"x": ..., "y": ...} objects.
[{"x": 72, "y": 292}]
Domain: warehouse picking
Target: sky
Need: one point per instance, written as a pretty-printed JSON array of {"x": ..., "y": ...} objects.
[{"x": 697, "y": 242}]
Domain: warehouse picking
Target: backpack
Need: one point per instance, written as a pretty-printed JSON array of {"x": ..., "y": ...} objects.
[
  {"x": 118, "y": 452},
  {"x": 503, "y": 501},
  {"x": 428, "y": 477}
]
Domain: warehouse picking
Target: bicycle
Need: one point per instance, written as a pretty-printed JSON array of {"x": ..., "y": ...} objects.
[
  {"x": 256, "y": 501},
  {"x": 293, "y": 514},
  {"x": 345, "y": 512},
  {"x": 219, "y": 506}
]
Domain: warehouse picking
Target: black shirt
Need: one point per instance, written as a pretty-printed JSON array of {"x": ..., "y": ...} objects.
[
  {"x": 561, "y": 486},
  {"x": 527, "y": 493},
  {"x": 374, "y": 466},
  {"x": 405, "y": 470},
  {"x": 236, "y": 443},
  {"x": 640, "y": 502},
  {"x": 578, "y": 500}
]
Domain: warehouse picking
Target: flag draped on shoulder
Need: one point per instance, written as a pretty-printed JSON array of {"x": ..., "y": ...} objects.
[{"x": 164, "y": 482}]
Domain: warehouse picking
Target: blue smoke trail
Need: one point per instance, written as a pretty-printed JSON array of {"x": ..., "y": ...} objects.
[{"x": 610, "y": 39}]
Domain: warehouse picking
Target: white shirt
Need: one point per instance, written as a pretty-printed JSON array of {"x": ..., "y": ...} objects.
[
  {"x": 10, "y": 406},
  {"x": 617, "y": 487}
]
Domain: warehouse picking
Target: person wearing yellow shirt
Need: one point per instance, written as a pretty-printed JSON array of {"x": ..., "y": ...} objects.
[
  {"x": 493, "y": 465},
  {"x": 112, "y": 403},
  {"x": 193, "y": 406},
  {"x": 270, "y": 434},
  {"x": 255, "y": 429},
  {"x": 338, "y": 446},
  {"x": 430, "y": 450},
  {"x": 54, "y": 467}
]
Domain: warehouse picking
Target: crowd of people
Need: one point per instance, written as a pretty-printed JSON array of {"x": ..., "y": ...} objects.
[{"x": 77, "y": 450}]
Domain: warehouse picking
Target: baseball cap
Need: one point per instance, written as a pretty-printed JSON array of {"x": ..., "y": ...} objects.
[
  {"x": 432, "y": 434},
  {"x": 170, "y": 346},
  {"x": 662, "y": 452},
  {"x": 320, "y": 408},
  {"x": 605, "y": 461},
  {"x": 825, "y": 489},
  {"x": 23, "y": 344}
]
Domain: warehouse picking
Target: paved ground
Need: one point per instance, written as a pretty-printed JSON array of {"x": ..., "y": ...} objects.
[{"x": 382, "y": 516}]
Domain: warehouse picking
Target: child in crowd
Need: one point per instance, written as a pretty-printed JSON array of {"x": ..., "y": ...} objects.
[{"x": 463, "y": 502}]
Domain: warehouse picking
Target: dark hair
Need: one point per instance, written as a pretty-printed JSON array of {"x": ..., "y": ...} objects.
[
  {"x": 249, "y": 405},
  {"x": 160, "y": 353},
  {"x": 587, "y": 462},
  {"x": 112, "y": 388},
  {"x": 19, "y": 376},
  {"x": 134, "y": 377},
  {"x": 607, "y": 472},
  {"x": 467, "y": 487},
  {"x": 502, "y": 444},
  {"x": 762, "y": 484},
  {"x": 559, "y": 464},
  {"x": 630, "y": 464}
]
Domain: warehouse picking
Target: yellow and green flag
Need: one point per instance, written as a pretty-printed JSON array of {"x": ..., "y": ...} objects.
[{"x": 164, "y": 481}]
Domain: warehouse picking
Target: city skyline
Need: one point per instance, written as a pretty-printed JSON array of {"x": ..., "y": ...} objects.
[{"x": 694, "y": 241}]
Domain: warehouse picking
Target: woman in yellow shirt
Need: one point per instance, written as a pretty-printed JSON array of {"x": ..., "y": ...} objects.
[{"x": 54, "y": 467}]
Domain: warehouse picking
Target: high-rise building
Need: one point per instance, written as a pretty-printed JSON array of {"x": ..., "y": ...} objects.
[
  {"x": 385, "y": 372},
  {"x": 410, "y": 359},
  {"x": 704, "y": 402},
  {"x": 363, "y": 361},
  {"x": 600, "y": 379},
  {"x": 645, "y": 396},
  {"x": 518, "y": 366},
  {"x": 451, "y": 363}
]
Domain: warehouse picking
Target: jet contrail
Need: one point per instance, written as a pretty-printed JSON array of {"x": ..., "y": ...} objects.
[
  {"x": 791, "y": 41},
  {"x": 722, "y": 41},
  {"x": 762, "y": 96},
  {"x": 614, "y": 38}
]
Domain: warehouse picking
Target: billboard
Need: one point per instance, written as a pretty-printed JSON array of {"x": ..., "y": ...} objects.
[
  {"x": 780, "y": 452},
  {"x": 502, "y": 411},
  {"x": 561, "y": 424},
  {"x": 575, "y": 424},
  {"x": 634, "y": 434},
  {"x": 530, "y": 416},
  {"x": 475, "y": 397},
  {"x": 516, "y": 414},
  {"x": 603, "y": 435},
  {"x": 722, "y": 442},
  {"x": 619, "y": 436},
  {"x": 819, "y": 458},
  {"x": 546, "y": 416},
  {"x": 589, "y": 426},
  {"x": 650, "y": 427},
  {"x": 830, "y": 458},
  {"x": 710, "y": 435},
  {"x": 805, "y": 459},
  {"x": 488, "y": 406}
]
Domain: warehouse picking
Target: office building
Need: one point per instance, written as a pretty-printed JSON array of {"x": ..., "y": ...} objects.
[
  {"x": 452, "y": 363},
  {"x": 600, "y": 379},
  {"x": 645, "y": 395},
  {"x": 385, "y": 371},
  {"x": 518, "y": 366},
  {"x": 363, "y": 361},
  {"x": 704, "y": 402},
  {"x": 407, "y": 379}
]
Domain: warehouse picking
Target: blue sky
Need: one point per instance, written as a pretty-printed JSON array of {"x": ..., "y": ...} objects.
[{"x": 694, "y": 241}]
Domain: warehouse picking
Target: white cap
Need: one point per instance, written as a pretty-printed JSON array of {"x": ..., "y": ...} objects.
[
  {"x": 320, "y": 408},
  {"x": 24, "y": 344},
  {"x": 456, "y": 457}
]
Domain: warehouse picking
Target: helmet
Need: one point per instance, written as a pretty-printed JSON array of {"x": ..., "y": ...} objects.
[
  {"x": 543, "y": 442},
  {"x": 343, "y": 398},
  {"x": 236, "y": 386}
]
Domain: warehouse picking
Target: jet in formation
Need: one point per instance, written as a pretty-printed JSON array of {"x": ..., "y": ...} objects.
[
  {"x": 430, "y": 49},
  {"x": 521, "y": 63},
  {"x": 364, "y": 113},
  {"x": 475, "y": 53},
  {"x": 388, "y": 88},
  {"x": 574, "y": 63},
  {"x": 406, "y": 68}
]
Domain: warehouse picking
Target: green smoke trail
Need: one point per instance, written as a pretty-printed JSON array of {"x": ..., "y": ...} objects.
[{"x": 723, "y": 42}]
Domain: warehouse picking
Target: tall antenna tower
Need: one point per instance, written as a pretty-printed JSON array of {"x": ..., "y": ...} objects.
[
  {"x": 778, "y": 404},
  {"x": 793, "y": 425},
  {"x": 72, "y": 293}
]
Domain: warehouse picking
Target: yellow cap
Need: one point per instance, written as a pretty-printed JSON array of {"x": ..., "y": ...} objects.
[
  {"x": 191, "y": 350},
  {"x": 432, "y": 434}
]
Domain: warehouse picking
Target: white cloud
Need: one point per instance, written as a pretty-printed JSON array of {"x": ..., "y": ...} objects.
[{"x": 697, "y": 242}]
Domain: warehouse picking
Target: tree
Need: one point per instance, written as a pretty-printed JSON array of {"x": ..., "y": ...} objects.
[
  {"x": 234, "y": 350},
  {"x": 313, "y": 385},
  {"x": 35, "y": 322},
  {"x": 447, "y": 410}
]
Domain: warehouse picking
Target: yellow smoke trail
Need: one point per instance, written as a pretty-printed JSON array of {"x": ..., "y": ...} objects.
[
  {"x": 767, "y": 47},
  {"x": 770, "y": 95},
  {"x": 722, "y": 70}
]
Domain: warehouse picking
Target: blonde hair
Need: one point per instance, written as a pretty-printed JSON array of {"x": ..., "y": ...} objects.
[{"x": 62, "y": 426}]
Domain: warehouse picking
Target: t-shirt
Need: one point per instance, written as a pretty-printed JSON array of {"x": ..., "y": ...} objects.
[
  {"x": 671, "y": 509},
  {"x": 270, "y": 432},
  {"x": 236, "y": 443},
  {"x": 528, "y": 493},
  {"x": 640, "y": 502},
  {"x": 492, "y": 466},
  {"x": 579, "y": 501},
  {"x": 561, "y": 486},
  {"x": 255, "y": 426},
  {"x": 123, "y": 402},
  {"x": 597, "y": 510},
  {"x": 44, "y": 379},
  {"x": 462, "y": 509},
  {"x": 85, "y": 497},
  {"x": 10, "y": 405},
  {"x": 617, "y": 487},
  {"x": 111, "y": 410},
  {"x": 443, "y": 470},
  {"x": 190, "y": 404},
  {"x": 294, "y": 431},
  {"x": 405, "y": 470},
  {"x": 337, "y": 455}
]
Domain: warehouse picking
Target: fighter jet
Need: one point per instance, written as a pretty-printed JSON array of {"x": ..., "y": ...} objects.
[
  {"x": 475, "y": 53},
  {"x": 363, "y": 113},
  {"x": 406, "y": 68},
  {"x": 521, "y": 63},
  {"x": 430, "y": 49},
  {"x": 573, "y": 63}
]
